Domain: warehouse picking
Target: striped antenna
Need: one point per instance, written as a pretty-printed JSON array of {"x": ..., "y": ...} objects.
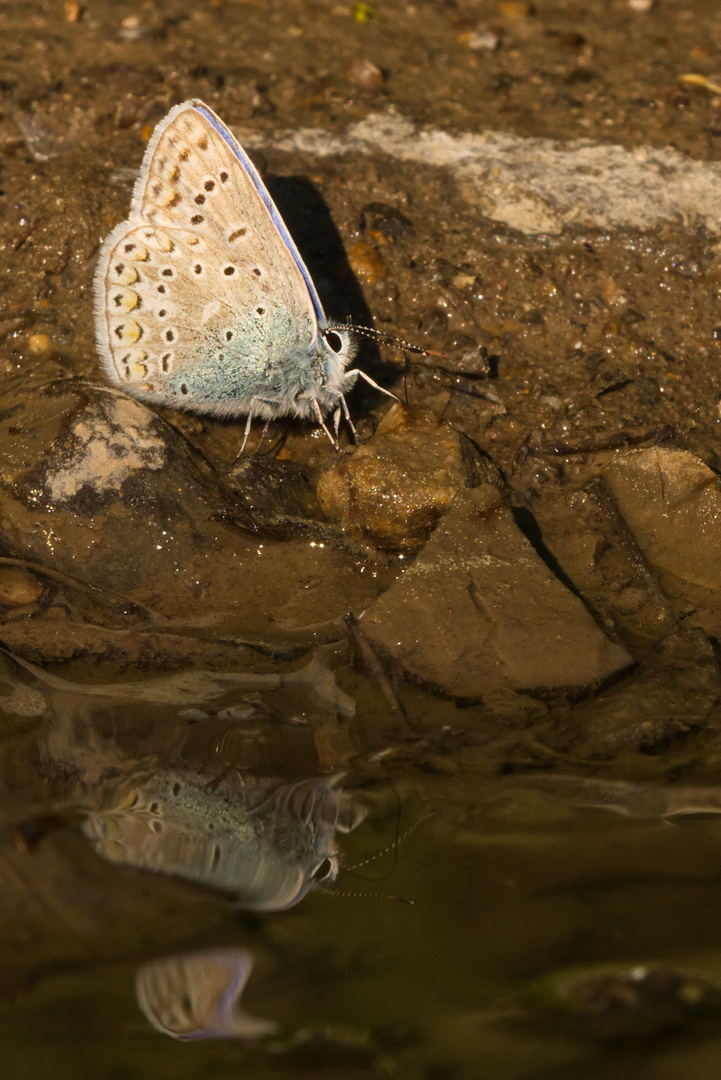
[
  {"x": 363, "y": 895},
  {"x": 399, "y": 839},
  {"x": 391, "y": 339}
]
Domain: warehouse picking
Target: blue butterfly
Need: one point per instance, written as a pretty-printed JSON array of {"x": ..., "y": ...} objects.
[{"x": 202, "y": 300}]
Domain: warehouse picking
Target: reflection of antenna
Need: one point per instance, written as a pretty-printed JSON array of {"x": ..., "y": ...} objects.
[
  {"x": 363, "y": 895},
  {"x": 398, "y": 839},
  {"x": 391, "y": 847}
]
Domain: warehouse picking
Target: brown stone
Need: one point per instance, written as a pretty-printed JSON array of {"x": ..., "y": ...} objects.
[
  {"x": 392, "y": 491},
  {"x": 479, "y": 608}
]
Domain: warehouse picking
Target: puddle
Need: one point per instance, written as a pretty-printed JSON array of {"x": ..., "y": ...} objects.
[
  {"x": 159, "y": 890},
  {"x": 538, "y": 923}
]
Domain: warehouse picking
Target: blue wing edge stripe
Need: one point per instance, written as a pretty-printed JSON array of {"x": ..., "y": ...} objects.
[{"x": 270, "y": 206}]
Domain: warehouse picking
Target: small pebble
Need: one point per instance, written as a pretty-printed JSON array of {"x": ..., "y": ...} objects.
[
  {"x": 364, "y": 13},
  {"x": 18, "y": 587},
  {"x": 641, "y": 6},
  {"x": 482, "y": 40},
  {"x": 39, "y": 343},
  {"x": 513, "y": 9},
  {"x": 366, "y": 263},
  {"x": 365, "y": 74},
  {"x": 72, "y": 11},
  {"x": 473, "y": 364},
  {"x": 131, "y": 28},
  {"x": 613, "y": 294}
]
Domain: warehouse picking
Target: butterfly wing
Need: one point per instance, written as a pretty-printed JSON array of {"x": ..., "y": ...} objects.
[
  {"x": 202, "y": 299},
  {"x": 196, "y": 995}
]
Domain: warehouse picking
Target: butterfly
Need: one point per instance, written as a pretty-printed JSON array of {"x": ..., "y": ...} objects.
[
  {"x": 202, "y": 300},
  {"x": 263, "y": 850}
]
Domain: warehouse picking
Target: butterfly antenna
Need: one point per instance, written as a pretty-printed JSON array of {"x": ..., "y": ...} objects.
[
  {"x": 399, "y": 839},
  {"x": 363, "y": 895},
  {"x": 391, "y": 339},
  {"x": 391, "y": 847}
]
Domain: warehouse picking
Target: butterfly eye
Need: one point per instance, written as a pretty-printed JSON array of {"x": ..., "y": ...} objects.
[
  {"x": 335, "y": 341},
  {"x": 324, "y": 869}
]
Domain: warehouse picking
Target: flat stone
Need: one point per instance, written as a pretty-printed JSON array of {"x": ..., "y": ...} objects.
[
  {"x": 671, "y": 501},
  {"x": 480, "y": 609}
]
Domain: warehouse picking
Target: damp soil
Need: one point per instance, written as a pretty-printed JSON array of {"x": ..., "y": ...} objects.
[{"x": 496, "y": 614}]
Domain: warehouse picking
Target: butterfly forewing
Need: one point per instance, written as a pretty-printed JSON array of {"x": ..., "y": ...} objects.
[{"x": 199, "y": 299}]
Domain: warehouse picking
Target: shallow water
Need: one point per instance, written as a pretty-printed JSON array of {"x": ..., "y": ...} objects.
[
  {"x": 520, "y": 890},
  {"x": 533, "y": 925},
  {"x": 400, "y": 761}
]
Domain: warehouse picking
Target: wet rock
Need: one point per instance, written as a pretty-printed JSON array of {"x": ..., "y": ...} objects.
[
  {"x": 365, "y": 74},
  {"x": 639, "y": 1003},
  {"x": 267, "y": 487},
  {"x": 657, "y": 709},
  {"x": 671, "y": 501},
  {"x": 592, "y": 543},
  {"x": 55, "y": 637},
  {"x": 18, "y": 587},
  {"x": 479, "y": 608},
  {"x": 391, "y": 491},
  {"x": 102, "y": 490}
]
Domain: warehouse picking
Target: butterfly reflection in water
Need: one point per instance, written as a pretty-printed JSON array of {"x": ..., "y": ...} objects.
[
  {"x": 202, "y": 300},
  {"x": 196, "y": 995},
  {"x": 263, "y": 852}
]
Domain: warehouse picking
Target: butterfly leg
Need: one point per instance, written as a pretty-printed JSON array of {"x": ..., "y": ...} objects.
[
  {"x": 321, "y": 421},
  {"x": 344, "y": 405},
  {"x": 371, "y": 382},
  {"x": 336, "y": 422},
  {"x": 263, "y": 434},
  {"x": 248, "y": 422}
]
